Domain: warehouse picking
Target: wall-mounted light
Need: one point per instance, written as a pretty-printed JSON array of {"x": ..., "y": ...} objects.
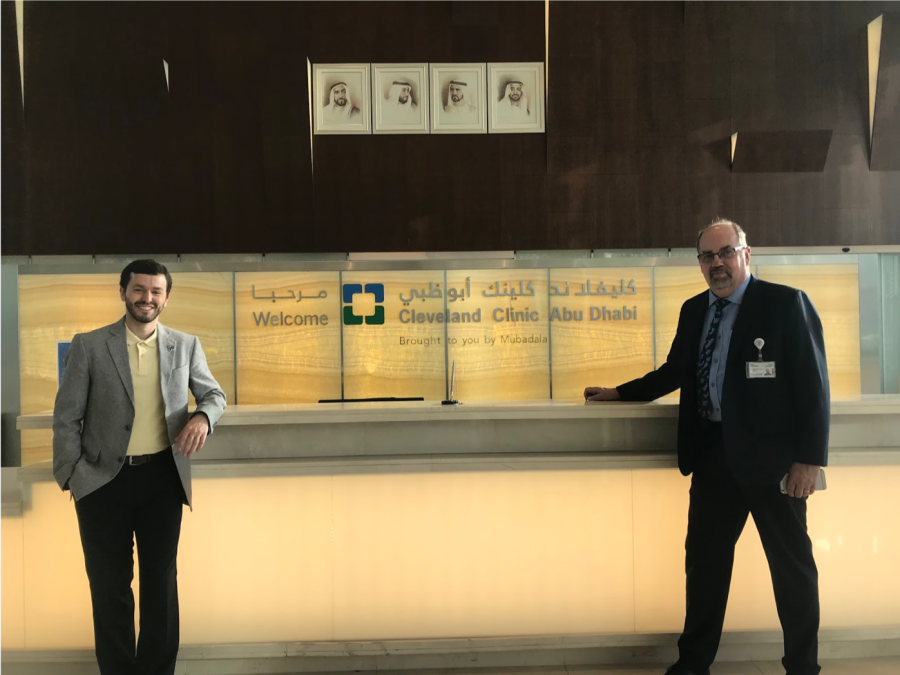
[
  {"x": 312, "y": 167},
  {"x": 20, "y": 31},
  {"x": 874, "y": 55}
]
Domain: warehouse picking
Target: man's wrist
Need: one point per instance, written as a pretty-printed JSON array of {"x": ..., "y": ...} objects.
[{"x": 205, "y": 416}]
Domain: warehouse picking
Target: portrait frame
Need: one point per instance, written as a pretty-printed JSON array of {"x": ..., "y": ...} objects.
[
  {"x": 531, "y": 75},
  {"x": 356, "y": 77},
  {"x": 384, "y": 75},
  {"x": 441, "y": 75}
]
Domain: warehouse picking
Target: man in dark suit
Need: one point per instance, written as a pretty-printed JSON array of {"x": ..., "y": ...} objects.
[{"x": 749, "y": 358}]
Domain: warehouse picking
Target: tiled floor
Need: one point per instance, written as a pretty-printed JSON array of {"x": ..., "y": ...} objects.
[
  {"x": 884, "y": 665},
  {"x": 871, "y": 666}
]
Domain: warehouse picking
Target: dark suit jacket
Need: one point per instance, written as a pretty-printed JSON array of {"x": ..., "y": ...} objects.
[{"x": 767, "y": 423}]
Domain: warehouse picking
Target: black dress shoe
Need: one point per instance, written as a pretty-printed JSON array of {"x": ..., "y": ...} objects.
[{"x": 684, "y": 670}]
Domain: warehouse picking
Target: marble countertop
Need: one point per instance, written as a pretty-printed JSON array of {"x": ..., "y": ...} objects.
[{"x": 423, "y": 411}]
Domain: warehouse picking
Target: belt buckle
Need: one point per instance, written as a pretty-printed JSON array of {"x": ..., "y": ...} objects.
[{"x": 130, "y": 460}]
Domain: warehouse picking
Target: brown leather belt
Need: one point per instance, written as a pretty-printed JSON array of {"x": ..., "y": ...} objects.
[{"x": 137, "y": 460}]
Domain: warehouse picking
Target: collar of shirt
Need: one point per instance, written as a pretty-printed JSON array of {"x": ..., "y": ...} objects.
[
  {"x": 735, "y": 298},
  {"x": 133, "y": 339}
]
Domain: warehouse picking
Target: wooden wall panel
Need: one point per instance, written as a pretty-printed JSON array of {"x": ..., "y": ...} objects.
[
  {"x": 798, "y": 151},
  {"x": 14, "y": 216},
  {"x": 642, "y": 101}
]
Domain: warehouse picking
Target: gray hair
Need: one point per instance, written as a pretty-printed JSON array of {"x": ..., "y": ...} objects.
[{"x": 738, "y": 231}]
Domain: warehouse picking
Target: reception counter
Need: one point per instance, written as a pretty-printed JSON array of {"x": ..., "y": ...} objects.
[
  {"x": 863, "y": 430},
  {"x": 349, "y": 529}
]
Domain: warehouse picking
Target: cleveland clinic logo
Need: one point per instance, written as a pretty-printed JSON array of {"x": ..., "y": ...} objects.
[{"x": 363, "y": 304}]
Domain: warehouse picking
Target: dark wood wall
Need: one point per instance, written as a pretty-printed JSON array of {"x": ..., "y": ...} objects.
[{"x": 643, "y": 98}]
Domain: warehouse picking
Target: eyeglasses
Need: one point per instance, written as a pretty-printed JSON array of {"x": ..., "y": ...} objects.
[{"x": 726, "y": 253}]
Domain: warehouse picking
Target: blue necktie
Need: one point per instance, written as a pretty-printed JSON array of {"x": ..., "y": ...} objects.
[{"x": 704, "y": 405}]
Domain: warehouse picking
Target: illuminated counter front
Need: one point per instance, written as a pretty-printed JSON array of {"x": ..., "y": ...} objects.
[{"x": 416, "y": 521}]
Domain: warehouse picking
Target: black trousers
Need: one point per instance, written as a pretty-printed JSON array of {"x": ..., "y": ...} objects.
[
  {"x": 142, "y": 502},
  {"x": 718, "y": 512}
]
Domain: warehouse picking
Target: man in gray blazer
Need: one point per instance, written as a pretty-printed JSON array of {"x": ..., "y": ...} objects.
[{"x": 122, "y": 441}]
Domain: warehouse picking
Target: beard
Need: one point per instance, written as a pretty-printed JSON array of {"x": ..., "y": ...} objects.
[
  {"x": 140, "y": 316},
  {"x": 341, "y": 101},
  {"x": 404, "y": 99},
  {"x": 720, "y": 277},
  {"x": 515, "y": 96},
  {"x": 456, "y": 98}
]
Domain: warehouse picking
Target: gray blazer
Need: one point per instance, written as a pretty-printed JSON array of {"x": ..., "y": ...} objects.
[{"x": 94, "y": 408}]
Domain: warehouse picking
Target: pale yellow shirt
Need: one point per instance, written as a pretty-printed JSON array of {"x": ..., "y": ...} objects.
[{"x": 149, "y": 433}]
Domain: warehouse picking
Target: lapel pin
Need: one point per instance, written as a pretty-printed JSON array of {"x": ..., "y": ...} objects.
[{"x": 171, "y": 348}]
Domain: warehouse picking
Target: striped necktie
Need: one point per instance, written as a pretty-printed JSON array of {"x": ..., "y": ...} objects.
[{"x": 704, "y": 405}]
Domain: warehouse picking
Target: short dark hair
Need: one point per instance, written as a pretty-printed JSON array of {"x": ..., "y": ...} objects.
[{"x": 147, "y": 266}]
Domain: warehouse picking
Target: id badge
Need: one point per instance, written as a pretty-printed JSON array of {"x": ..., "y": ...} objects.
[{"x": 760, "y": 369}]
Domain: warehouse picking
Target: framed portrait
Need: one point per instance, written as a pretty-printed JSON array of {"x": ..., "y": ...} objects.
[
  {"x": 400, "y": 98},
  {"x": 516, "y": 93},
  {"x": 458, "y": 99},
  {"x": 341, "y": 100}
]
